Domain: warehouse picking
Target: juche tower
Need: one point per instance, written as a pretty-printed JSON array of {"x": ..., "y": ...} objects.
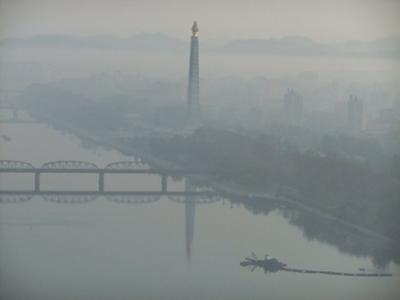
[{"x": 193, "y": 106}]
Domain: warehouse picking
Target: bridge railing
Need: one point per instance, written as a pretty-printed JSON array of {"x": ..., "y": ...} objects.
[
  {"x": 69, "y": 164},
  {"x": 15, "y": 164}
]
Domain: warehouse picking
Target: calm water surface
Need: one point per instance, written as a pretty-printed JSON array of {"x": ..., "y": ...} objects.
[{"x": 160, "y": 250}]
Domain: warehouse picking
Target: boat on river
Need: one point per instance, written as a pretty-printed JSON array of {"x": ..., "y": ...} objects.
[{"x": 270, "y": 264}]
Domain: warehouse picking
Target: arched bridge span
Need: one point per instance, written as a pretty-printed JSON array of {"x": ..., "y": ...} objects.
[
  {"x": 130, "y": 164},
  {"x": 15, "y": 164},
  {"x": 69, "y": 164}
]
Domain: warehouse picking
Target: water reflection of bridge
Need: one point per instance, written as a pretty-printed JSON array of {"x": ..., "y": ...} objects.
[{"x": 195, "y": 197}]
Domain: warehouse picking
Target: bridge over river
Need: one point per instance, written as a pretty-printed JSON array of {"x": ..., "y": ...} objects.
[{"x": 82, "y": 167}]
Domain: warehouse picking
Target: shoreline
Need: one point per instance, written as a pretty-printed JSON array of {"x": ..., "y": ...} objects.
[{"x": 223, "y": 189}]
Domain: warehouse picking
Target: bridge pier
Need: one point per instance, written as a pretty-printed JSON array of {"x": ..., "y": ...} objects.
[
  {"x": 37, "y": 181},
  {"x": 163, "y": 183},
  {"x": 101, "y": 181}
]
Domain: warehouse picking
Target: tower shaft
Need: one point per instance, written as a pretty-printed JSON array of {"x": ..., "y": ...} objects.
[{"x": 193, "y": 106}]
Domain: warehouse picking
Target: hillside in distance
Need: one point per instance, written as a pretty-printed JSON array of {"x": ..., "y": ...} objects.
[{"x": 160, "y": 42}]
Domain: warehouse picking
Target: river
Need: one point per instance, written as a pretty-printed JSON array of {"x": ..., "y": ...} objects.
[{"x": 164, "y": 249}]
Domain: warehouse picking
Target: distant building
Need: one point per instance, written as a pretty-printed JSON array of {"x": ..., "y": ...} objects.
[
  {"x": 293, "y": 108},
  {"x": 193, "y": 106},
  {"x": 386, "y": 122},
  {"x": 355, "y": 111}
]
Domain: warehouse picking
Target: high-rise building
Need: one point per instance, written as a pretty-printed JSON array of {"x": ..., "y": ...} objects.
[
  {"x": 193, "y": 106},
  {"x": 355, "y": 112},
  {"x": 293, "y": 108}
]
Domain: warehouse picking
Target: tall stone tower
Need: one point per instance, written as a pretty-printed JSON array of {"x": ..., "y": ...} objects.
[{"x": 193, "y": 106}]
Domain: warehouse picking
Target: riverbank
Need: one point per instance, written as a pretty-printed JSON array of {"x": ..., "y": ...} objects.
[{"x": 281, "y": 194}]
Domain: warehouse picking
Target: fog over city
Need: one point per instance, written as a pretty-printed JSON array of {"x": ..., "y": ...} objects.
[{"x": 199, "y": 149}]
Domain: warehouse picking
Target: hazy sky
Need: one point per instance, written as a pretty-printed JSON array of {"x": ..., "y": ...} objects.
[{"x": 323, "y": 20}]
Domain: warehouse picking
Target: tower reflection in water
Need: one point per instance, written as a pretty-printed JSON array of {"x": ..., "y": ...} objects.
[{"x": 190, "y": 211}]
